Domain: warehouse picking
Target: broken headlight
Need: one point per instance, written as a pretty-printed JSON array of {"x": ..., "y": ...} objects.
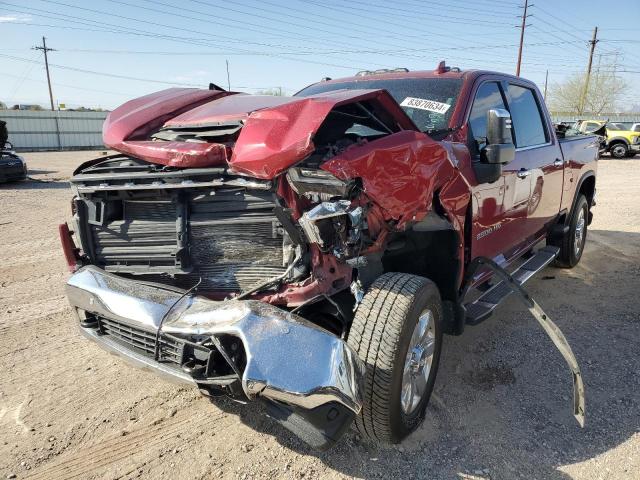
[
  {"x": 334, "y": 226},
  {"x": 307, "y": 181}
]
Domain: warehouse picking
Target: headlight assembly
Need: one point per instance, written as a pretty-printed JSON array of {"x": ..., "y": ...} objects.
[{"x": 312, "y": 181}]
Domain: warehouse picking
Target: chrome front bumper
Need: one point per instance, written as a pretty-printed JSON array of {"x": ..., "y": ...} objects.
[{"x": 288, "y": 359}]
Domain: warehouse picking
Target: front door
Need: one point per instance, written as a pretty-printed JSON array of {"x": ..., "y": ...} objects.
[{"x": 499, "y": 208}]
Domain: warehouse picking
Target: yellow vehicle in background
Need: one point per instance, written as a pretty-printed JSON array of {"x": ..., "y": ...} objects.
[{"x": 621, "y": 141}]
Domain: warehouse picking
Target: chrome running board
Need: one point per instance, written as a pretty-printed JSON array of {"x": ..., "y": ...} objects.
[
  {"x": 482, "y": 308},
  {"x": 514, "y": 284}
]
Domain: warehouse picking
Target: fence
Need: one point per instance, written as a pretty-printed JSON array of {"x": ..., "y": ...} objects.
[{"x": 59, "y": 130}]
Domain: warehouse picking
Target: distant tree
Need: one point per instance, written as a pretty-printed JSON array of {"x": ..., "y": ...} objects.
[
  {"x": 275, "y": 91},
  {"x": 605, "y": 91}
]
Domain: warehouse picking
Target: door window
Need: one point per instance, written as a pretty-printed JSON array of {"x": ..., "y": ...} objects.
[
  {"x": 591, "y": 127},
  {"x": 526, "y": 117},
  {"x": 488, "y": 97}
]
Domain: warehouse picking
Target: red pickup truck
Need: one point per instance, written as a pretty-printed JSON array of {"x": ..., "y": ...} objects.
[{"x": 311, "y": 251}]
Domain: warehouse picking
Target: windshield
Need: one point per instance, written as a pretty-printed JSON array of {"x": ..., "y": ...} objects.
[
  {"x": 616, "y": 126},
  {"x": 429, "y": 102}
]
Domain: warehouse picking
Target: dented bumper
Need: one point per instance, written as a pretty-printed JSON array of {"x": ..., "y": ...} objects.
[{"x": 286, "y": 360}]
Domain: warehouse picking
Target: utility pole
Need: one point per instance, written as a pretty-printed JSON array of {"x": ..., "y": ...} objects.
[
  {"x": 228, "y": 78},
  {"x": 46, "y": 64},
  {"x": 593, "y": 42},
  {"x": 522, "y": 27},
  {"x": 546, "y": 80}
]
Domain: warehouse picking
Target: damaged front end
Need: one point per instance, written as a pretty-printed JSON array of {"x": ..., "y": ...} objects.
[{"x": 231, "y": 241}]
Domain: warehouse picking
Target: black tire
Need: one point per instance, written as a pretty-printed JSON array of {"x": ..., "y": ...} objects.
[
  {"x": 631, "y": 154},
  {"x": 569, "y": 254},
  {"x": 381, "y": 333},
  {"x": 619, "y": 150}
]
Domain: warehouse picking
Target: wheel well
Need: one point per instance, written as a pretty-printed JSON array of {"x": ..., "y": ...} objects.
[
  {"x": 432, "y": 254},
  {"x": 588, "y": 188},
  {"x": 613, "y": 143}
]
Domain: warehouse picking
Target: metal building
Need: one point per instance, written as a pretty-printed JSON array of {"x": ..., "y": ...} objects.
[{"x": 59, "y": 130}]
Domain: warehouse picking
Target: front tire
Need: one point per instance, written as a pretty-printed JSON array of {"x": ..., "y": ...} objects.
[
  {"x": 573, "y": 242},
  {"x": 397, "y": 332}
]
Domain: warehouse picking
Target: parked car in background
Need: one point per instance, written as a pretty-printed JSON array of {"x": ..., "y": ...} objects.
[
  {"x": 12, "y": 166},
  {"x": 621, "y": 141}
]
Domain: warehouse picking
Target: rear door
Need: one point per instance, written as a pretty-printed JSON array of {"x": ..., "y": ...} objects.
[{"x": 538, "y": 166}]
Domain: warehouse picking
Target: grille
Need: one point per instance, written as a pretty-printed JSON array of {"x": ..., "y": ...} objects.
[
  {"x": 141, "y": 340},
  {"x": 232, "y": 240}
]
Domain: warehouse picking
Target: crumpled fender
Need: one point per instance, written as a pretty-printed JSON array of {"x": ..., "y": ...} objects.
[
  {"x": 399, "y": 172},
  {"x": 127, "y": 128}
]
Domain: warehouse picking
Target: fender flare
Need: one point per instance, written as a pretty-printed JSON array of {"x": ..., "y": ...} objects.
[
  {"x": 585, "y": 176},
  {"x": 617, "y": 140}
]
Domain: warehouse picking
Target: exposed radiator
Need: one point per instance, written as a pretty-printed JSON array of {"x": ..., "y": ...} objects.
[
  {"x": 234, "y": 240},
  {"x": 229, "y": 237},
  {"x": 145, "y": 238}
]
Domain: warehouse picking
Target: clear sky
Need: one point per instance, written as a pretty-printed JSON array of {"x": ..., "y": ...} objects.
[{"x": 148, "y": 45}]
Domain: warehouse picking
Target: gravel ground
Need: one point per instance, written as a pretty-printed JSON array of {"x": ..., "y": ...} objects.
[{"x": 502, "y": 402}]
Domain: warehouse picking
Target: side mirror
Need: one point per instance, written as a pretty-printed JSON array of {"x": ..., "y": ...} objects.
[{"x": 500, "y": 148}]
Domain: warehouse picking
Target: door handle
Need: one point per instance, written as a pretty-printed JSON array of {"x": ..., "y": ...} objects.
[
  {"x": 523, "y": 173},
  {"x": 558, "y": 163}
]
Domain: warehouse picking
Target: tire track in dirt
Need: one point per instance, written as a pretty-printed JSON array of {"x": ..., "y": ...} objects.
[{"x": 85, "y": 462}]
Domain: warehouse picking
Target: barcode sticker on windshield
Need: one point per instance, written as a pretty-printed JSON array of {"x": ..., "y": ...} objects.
[{"x": 422, "y": 104}]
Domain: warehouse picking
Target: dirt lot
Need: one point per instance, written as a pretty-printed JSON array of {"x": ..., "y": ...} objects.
[{"x": 501, "y": 407}]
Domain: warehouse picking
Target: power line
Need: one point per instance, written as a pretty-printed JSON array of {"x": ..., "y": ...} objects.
[
  {"x": 454, "y": 7},
  {"x": 399, "y": 12},
  {"x": 200, "y": 12},
  {"x": 323, "y": 52},
  {"x": 287, "y": 32},
  {"x": 104, "y": 74},
  {"x": 23, "y": 77},
  {"x": 197, "y": 41},
  {"x": 188, "y": 40},
  {"x": 125, "y": 77},
  {"x": 75, "y": 87}
]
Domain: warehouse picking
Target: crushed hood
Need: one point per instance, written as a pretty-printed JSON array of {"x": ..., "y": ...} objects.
[{"x": 275, "y": 132}]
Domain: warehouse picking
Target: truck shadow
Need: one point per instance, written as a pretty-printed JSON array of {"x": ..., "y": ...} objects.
[
  {"x": 31, "y": 183},
  {"x": 502, "y": 403}
]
